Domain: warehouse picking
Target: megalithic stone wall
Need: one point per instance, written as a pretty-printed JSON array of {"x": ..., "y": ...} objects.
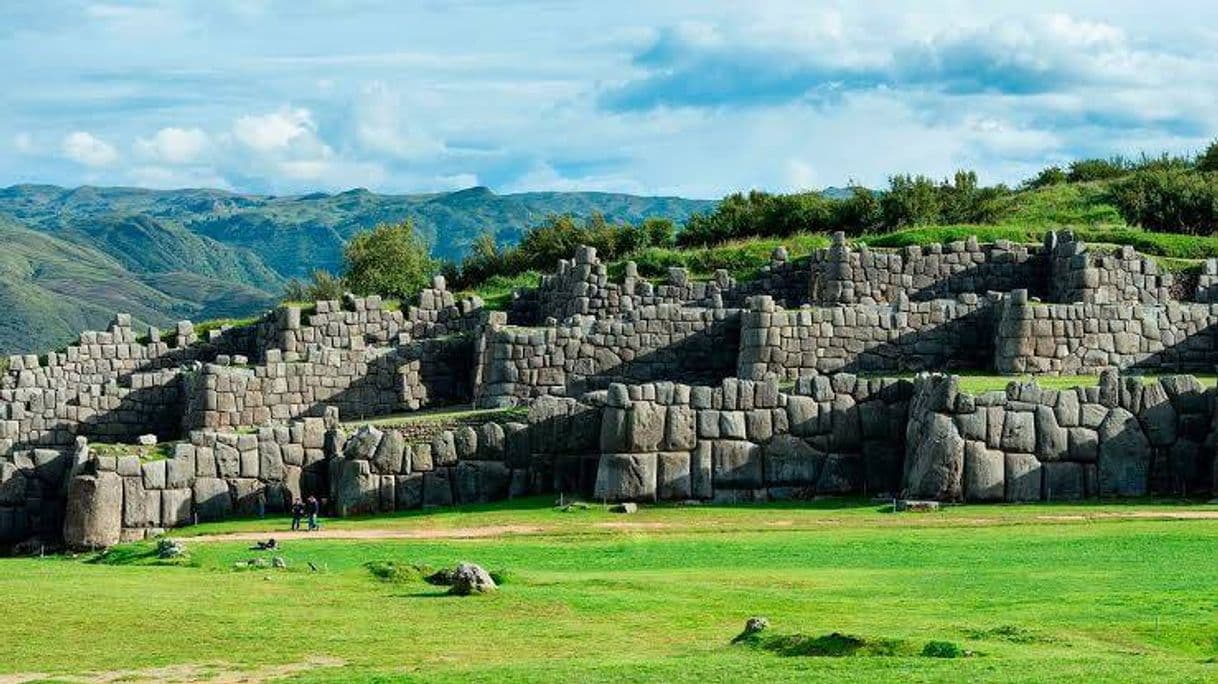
[
  {"x": 1121, "y": 438},
  {"x": 861, "y": 338},
  {"x": 749, "y": 441},
  {"x": 1082, "y": 274},
  {"x": 1033, "y": 337}
]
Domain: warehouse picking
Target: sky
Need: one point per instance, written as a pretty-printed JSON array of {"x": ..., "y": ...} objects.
[{"x": 696, "y": 99}]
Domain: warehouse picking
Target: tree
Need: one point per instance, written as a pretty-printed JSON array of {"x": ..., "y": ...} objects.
[
  {"x": 911, "y": 201},
  {"x": 1207, "y": 162},
  {"x": 389, "y": 260}
]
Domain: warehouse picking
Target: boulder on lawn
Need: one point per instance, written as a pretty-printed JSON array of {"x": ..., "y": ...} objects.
[{"x": 471, "y": 579}]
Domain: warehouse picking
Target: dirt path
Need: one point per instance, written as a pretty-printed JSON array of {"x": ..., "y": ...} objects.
[
  {"x": 216, "y": 673},
  {"x": 492, "y": 531},
  {"x": 361, "y": 533}
]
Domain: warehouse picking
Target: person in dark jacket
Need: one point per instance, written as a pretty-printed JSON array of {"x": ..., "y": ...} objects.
[
  {"x": 314, "y": 507},
  {"x": 298, "y": 511}
]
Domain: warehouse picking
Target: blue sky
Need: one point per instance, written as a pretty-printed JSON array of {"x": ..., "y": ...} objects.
[{"x": 696, "y": 99}]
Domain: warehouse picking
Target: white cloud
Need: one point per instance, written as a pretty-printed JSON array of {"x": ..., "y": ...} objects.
[
  {"x": 173, "y": 145},
  {"x": 381, "y": 125},
  {"x": 84, "y": 148},
  {"x": 23, "y": 142},
  {"x": 275, "y": 131}
]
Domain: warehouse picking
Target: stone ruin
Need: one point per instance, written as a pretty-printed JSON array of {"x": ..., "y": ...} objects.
[{"x": 791, "y": 385}]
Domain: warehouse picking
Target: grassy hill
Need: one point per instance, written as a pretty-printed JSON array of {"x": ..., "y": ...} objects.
[{"x": 78, "y": 255}]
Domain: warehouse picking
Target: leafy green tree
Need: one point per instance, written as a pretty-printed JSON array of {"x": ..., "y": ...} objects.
[
  {"x": 911, "y": 201},
  {"x": 1207, "y": 162},
  {"x": 390, "y": 260}
]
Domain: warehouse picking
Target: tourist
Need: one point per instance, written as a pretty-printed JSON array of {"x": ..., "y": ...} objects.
[
  {"x": 298, "y": 511},
  {"x": 314, "y": 510}
]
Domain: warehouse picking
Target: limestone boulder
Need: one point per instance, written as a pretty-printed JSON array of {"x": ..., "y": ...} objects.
[
  {"x": 1124, "y": 455},
  {"x": 984, "y": 473},
  {"x": 93, "y": 515},
  {"x": 362, "y": 445},
  {"x": 470, "y": 579},
  {"x": 1023, "y": 478},
  {"x": 934, "y": 462},
  {"x": 626, "y": 477},
  {"x": 387, "y": 459},
  {"x": 737, "y": 464},
  {"x": 355, "y": 491},
  {"x": 791, "y": 462},
  {"x": 673, "y": 476}
]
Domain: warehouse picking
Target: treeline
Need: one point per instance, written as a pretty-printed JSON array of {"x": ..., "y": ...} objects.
[
  {"x": 556, "y": 238},
  {"x": 1165, "y": 194}
]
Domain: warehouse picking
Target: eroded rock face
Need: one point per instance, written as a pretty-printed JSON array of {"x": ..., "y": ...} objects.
[
  {"x": 94, "y": 515},
  {"x": 471, "y": 579}
]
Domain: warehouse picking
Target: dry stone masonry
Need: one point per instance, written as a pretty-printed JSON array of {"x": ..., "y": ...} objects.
[{"x": 792, "y": 384}]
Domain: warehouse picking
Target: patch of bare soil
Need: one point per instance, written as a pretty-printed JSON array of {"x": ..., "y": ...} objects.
[
  {"x": 364, "y": 533},
  {"x": 218, "y": 673}
]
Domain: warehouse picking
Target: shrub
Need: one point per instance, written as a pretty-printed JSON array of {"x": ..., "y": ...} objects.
[
  {"x": 1085, "y": 170},
  {"x": 321, "y": 285},
  {"x": 942, "y": 649},
  {"x": 1171, "y": 201},
  {"x": 389, "y": 260},
  {"x": 1053, "y": 175}
]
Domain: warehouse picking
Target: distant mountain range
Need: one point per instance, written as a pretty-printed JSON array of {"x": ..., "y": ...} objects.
[{"x": 73, "y": 257}]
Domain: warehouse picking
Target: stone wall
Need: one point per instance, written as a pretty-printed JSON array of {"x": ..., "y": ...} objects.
[
  {"x": 1087, "y": 338},
  {"x": 1083, "y": 274},
  {"x": 32, "y": 490},
  {"x": 359, "y": 382},
  {"x": 747, "y": 441},
  {"x": 1121, "y": 438},
  {"x": 212, "y": 476},
  {"x": 866, "y": 337},
  {"x": 841, "y": 274},
  {"x": 112, "y": 385},
  {"x": 581, "y": 287},
  {"x": 649, "y": 343}
]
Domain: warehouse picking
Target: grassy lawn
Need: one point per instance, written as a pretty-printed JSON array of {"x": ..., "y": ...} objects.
[{"x": 1035, "y": 593}]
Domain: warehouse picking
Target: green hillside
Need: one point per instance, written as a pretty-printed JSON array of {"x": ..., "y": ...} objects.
[{"x": 78, "y": 255}]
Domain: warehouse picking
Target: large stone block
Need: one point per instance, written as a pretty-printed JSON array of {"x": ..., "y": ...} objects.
[
  {"x": 615, "y": 429},
  {"x": 626, "y": 477},
  {"x": 408, "y": 490},
  {"x": 679, "y": 429},
  {"x": 646, "y": 426},
  {"x": 212, "y": 498},
  {"x": 984, "y": 473},
  {"x": 1019, "y": 432},
  {"x": 362, "y": 445},
  {"x": 437, "y": 488},
  {"x": 737, "y": 465},
  {"x": 673, "y": 479},
  {"x": 387, "y": 459},
  {"x": 443, "y": 450},
  {"x": 481, "y": 481},
  {"x": 701, "y": 471},
  {"x": 802, "y": 415},
  {"x": 1158, "y": 416},
  {"x": 141, "y": 507},
  {"x": 154, "y": 474},
  {"x": 1051, "y": 439},
  {"x": 1064, "y": 481},
  {"x": 934, "y": 462},
  {"x": 841, "y": 474},
  {"x": 175, "y": 507},
  {"x": 465, "y": 439},
  {"x": 1023, "y": 478},
  {"x": 355, "y": 491},
  {"x": 93, "y": 516},
  {"x": 1124, "y": 455},
  {"x": 791, "y": 462},
  {"x": 270, "y": 461}
]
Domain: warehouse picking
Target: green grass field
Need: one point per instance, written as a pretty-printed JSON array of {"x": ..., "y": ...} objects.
[{"x": 1117, "y": 592}]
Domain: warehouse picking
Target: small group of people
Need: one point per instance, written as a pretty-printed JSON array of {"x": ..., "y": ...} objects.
[{"x": 310, "y": 506}]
